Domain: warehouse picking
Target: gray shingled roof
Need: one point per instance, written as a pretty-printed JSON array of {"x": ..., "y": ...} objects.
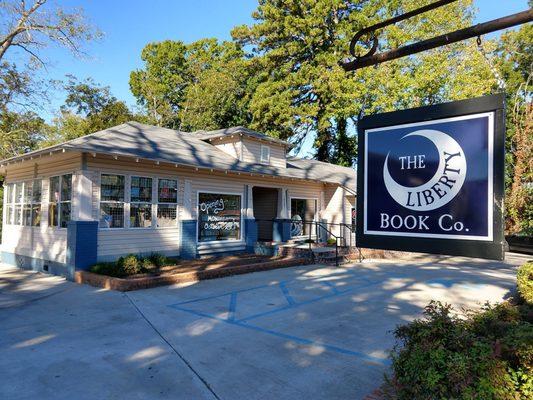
[
  {"x": 237, "y": 130},
  {"x": 166, "y": 145}
]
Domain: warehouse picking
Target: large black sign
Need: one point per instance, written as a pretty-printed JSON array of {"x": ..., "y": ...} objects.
[{"x": 430, "y": 179}]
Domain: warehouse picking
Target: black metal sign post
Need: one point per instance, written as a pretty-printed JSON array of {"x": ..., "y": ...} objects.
[{"x": 431, "y": 179}]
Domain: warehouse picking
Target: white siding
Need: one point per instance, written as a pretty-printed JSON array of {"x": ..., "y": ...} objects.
[
  {"x": 49, "y": 243},
  {"x": 231, "y": 146},
  {"x": 251, "y": 152}
]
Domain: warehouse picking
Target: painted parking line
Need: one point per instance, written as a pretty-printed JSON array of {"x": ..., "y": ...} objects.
[{"x": 285, "y": 291}]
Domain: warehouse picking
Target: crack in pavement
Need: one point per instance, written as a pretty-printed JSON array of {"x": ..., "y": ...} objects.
[{"x": 187, "y": 363}]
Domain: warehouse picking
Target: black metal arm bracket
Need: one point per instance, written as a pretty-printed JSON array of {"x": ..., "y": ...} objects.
[{"x": 371, "y": 58}]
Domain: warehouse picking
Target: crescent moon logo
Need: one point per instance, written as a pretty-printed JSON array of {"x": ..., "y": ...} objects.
[{"x": 443, "y": 186}]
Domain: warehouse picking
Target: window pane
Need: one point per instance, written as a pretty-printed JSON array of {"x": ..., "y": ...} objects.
[
  {"x": 166, "y": 215},
  {"x": 219, "y": 217},
  {"x": 141, "y": 215},
  {"x": 168, "y": 191},
  {"x": 37, "y": 190},
  {"x": 9, "y": 215},
  {"x": 9, "y": 193},
  {"x": 26, "y": 214},
  {"x": 18, "y": 192},
  {"x": 36, "y": 215},
  {"x": 28, "y": 192},
  {"x": 112, "y": 188},
  {"x": 17, "y": 214},
  {"x": 66, "y": 187},
  {"x": 54, "y": 189},
  {"x": 111, "y": 215},
  {"x": 65, "y": 214},
  {"x": 141, "y": 189},
  {"x": 52, "y": 214}
]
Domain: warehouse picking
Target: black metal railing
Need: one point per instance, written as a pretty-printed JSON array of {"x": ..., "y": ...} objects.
[{"x": 320, "y": 227}]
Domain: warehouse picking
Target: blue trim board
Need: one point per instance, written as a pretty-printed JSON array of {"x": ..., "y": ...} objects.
[{"x": 292, "y": 304}]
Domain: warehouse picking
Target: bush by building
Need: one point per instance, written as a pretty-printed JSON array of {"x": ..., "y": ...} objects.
[{"x": 485, "y": 354}]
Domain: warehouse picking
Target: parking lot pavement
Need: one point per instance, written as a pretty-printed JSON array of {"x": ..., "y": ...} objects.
[{"x": 310, "y": 332}]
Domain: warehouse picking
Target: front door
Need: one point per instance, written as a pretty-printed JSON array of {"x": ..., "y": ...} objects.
[{"x": 265, "y": 210}]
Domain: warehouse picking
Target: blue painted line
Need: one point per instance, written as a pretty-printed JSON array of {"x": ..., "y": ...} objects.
[
  {"x": 303, "y": 341},
  {"x": 331, "y": 286},
  {"x": 358, "y": 354},
  {"x": 232, "y": 306},
  {"x": 303, "y": 303},
  {"x": 286, "y": 293},
  {"x": 220, "y": 295}
]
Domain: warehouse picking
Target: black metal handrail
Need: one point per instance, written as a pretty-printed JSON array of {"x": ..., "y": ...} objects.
[{"x": 317, "y": 224}]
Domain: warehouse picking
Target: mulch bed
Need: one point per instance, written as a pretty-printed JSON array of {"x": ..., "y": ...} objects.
[{"x": 189, "y": 271}]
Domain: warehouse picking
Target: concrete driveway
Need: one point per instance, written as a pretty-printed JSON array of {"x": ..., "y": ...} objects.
[{"x": 309, "y": 332}]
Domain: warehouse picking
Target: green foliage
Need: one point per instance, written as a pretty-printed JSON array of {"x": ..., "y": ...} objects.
[
  {"x": 132, "y": 265},
  {"x": 524, "y": 280},
  {"x": 129, "y": 264},
  {"x": 20, "y": 132},
  {"x": 159, "y": 260},
  {"x": 109, "y": 269},
  {"x": 480, "y": 355},
  {"x": 202, "y": 85},
  {"x": 331, "y": 241},
  {"x": 303, "y": 91}
]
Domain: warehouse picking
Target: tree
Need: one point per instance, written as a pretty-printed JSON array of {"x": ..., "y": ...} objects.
[
  {"x": 88, "y": 108},
  {"x": 304, "y": 91},
  {"x": 220, "y": 88},
  {"x": 19, "y": 132},
  {"x": 30, "y": 28},
  {"x": 159, "y": 87},
  {"x": 513, "y": 57},
  {"x": 202, "y": 85}
]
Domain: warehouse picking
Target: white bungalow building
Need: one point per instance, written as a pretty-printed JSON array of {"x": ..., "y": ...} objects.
[{"x": 140, "y": 189}]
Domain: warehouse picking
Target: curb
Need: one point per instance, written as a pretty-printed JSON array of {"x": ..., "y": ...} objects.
[{"x": 125, "y": 285}]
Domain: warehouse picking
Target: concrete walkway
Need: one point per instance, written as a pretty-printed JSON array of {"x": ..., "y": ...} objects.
[{"x": 309, "y": 332}]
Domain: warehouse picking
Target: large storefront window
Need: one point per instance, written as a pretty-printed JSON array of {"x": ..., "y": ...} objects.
[
  {"x": 302, "y": 212},
  {"x": 219, "y": 217},
  {"x": 23, "y": 203},
  {"x": 141, "y": 202}
]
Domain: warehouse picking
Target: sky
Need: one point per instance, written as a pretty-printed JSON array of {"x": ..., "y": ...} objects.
[{"x": 128, "y": 25}]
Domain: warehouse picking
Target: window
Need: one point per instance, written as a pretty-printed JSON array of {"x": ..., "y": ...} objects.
[
  {"x": 219, "y": 217},
  {"x": 302, "y": 211},
  {"x": 141, "y": 202},
  {"x": 17, "y": 206},
  {"x": 9, "y": 203},
  {"x": 265, "y": 154},
  {"x": 112, "y": 201},
  {"x": 167, "y": 198},
  {"x": 31, "y": 208},
  {"x": 60, "y": 196}
]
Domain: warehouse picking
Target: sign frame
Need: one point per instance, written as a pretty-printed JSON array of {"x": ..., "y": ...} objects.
[{"x": 490, "y": 249}]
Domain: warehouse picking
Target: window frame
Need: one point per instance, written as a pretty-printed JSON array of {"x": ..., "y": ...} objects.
[
  {"x": 9, "y": 203},
  {"x": 127, "y": 201},
  {"x": 158, "y": 203},
  {"x": 124, "y": 202},
  {"x": 127, "y": 196},
  {"x": 241, "y": 230},
  {"x": 315, "y": 217},
  {"x": 60, "y": 200},
  {"x": 267, "y": 160}
]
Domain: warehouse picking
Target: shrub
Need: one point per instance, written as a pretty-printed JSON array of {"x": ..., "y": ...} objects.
[
  {"x": 109, "y": 269},
  {"x": 479, "y": 355},
  {"x": 129, "y": 264},
  {"x": 147, "y": 264},
  {"x": 524, "y": 280},
  {"x": 332, "y": 241},
  {"x": 159, "y": 260}
]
